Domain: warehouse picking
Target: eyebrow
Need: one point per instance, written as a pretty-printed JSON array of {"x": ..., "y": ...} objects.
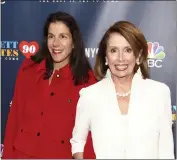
[
  {"x": 117, "y": 47},
  {"x": 60, "y": 33}
]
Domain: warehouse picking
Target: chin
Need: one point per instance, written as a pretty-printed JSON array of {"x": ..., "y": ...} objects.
[
  {"x": 57, "y": 60},
  {"x": 121, "y": 75}
]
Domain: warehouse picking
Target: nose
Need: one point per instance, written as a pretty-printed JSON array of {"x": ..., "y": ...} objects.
[
  {"x": 121, "y": 56},
  {"x": 56, "y": 42}
]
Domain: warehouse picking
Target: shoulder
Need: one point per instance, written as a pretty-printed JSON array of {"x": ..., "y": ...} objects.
[
  {"x": 156, "y": 86},
  {"x": 26, "y": 64},
  {"x": 30, "y": 65},
  {"x": 160, "y": 95},
  {"x": 21, "y": 75},
  {"x": 93, "y": 89},
  {"x": 89, "y": 95},
  {"x": 28, "y": 69}
]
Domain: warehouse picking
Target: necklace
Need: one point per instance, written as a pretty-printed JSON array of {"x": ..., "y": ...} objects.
[{"x": 123, "y": 94}]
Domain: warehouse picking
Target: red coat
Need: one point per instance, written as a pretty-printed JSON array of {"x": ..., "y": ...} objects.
[{"x": 41, "y": 117}]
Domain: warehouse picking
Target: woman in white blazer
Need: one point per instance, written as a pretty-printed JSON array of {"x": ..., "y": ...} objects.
[{"x": 128, "y": 114}]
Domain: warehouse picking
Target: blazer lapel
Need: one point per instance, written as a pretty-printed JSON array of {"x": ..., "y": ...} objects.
[
  {"x": 136, "y": 93},
  {"x": 110, "y": 92}
]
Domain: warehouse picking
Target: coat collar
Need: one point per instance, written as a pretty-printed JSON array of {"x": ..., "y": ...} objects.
[
  {"x": 64, "y": 72},
  {"x": 136, "y": 91},
  {"x": 137, "y": 78}
]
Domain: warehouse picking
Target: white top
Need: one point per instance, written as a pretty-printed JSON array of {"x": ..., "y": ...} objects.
[
  {"x": 123, "y": 130},
  {"x": 147, "y": 131}
]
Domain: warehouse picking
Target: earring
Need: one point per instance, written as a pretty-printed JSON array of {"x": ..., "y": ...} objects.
[
  {"x": 106, "y": 61},
  {"x": 138, "y": 63},
  {"x": 139, "y": 71}
]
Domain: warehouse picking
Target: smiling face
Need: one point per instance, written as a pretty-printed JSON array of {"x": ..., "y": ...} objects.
[
  {"x": 120, "y": 56},
  {"x": 59, "y": 42}
]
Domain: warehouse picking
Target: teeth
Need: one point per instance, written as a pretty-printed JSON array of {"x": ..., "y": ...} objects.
[
  {"x": 57, "y": 51},
  {"x": 121, "y": 67}
]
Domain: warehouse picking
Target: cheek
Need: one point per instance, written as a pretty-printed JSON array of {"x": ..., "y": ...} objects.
[
  {"x": 132, "y": 63},
  {"x": 69, "y": 46},
  {"x": 111, "y": 58},
  {"x": 131, "y": 59},
  {"x": 49, "y": 43}
]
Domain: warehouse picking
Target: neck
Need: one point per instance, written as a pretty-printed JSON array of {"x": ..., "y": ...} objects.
[
  {"x": 122, "y": 84},
  {"x": 58, "y": 65}
]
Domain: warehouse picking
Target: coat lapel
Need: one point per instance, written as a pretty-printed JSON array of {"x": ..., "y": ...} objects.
[
  {"x": 110, "y": 99},
  {"x": 135, "y": 97},
  {"x": 136, "y": 93}
]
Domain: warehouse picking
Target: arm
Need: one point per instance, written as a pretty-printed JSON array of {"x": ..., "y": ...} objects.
[
  {"x": 88, "y": 150},
  {"x": 166, "y": 145},
  {"x": 13, "y": 118},
  {"x": 81, "y": 127}
]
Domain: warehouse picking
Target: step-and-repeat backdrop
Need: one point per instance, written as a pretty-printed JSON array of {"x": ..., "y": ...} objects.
[{"x": 21, "y": 36}]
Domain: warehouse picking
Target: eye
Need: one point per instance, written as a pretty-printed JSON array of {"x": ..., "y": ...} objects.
[
  {"x": 128, "y": 50},
  {"x": 50, "y": 36},
  {"x": 63, "y": 36},
  {"x": 113, "y": 50}
]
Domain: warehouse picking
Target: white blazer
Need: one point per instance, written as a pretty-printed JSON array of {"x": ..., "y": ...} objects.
[{"x": 149, "y": 134}]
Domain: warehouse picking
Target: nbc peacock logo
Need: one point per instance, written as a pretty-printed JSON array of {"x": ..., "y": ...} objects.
[
  {"x": 174, "y": 113},
  {"x": 156, "y": 54}
]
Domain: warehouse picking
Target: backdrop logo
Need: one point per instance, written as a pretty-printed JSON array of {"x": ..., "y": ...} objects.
[
  {"x": 28, "y": 49},
  {"x": 91, "y": 52},
  {"x": 3, "y": 1},
  {"x": 174, "y": 113},
  {"x": 10, "y": 49},
  {"x": 156, "y": 54}
]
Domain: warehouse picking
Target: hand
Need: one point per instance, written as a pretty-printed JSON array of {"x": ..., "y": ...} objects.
[{"x": 78, "y": 155}]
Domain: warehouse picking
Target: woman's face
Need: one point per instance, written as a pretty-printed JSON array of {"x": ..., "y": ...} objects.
[
  {"x": 120, "y": 56},
  {"x": 59, "y": 42}
]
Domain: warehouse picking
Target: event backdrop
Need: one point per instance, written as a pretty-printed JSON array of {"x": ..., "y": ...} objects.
[{"x": 21, "y": 36}]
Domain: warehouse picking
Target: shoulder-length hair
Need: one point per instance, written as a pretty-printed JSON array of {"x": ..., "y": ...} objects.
[
  {"x": 137, "y": 41},
  {"x": 78, "y": 61}
]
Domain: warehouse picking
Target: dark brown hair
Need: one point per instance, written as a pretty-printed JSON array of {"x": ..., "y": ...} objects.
[{"x": 137, "y": 41}]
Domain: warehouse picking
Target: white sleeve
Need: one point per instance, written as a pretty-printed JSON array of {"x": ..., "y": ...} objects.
[
  {"x": 166, "y": 144},
  {"x": 82, "y": 123}
]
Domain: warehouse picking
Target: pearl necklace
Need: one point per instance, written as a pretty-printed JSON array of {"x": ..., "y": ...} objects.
[{"x": 123, "y": 94}]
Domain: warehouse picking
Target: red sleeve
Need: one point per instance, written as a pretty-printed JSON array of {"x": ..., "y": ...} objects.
[
  {"x": 13, "y": 117},
  {"x": 88, "y": 150}
]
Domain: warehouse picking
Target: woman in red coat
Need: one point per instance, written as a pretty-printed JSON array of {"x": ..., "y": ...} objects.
[{"x": 47, "y": 88}]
